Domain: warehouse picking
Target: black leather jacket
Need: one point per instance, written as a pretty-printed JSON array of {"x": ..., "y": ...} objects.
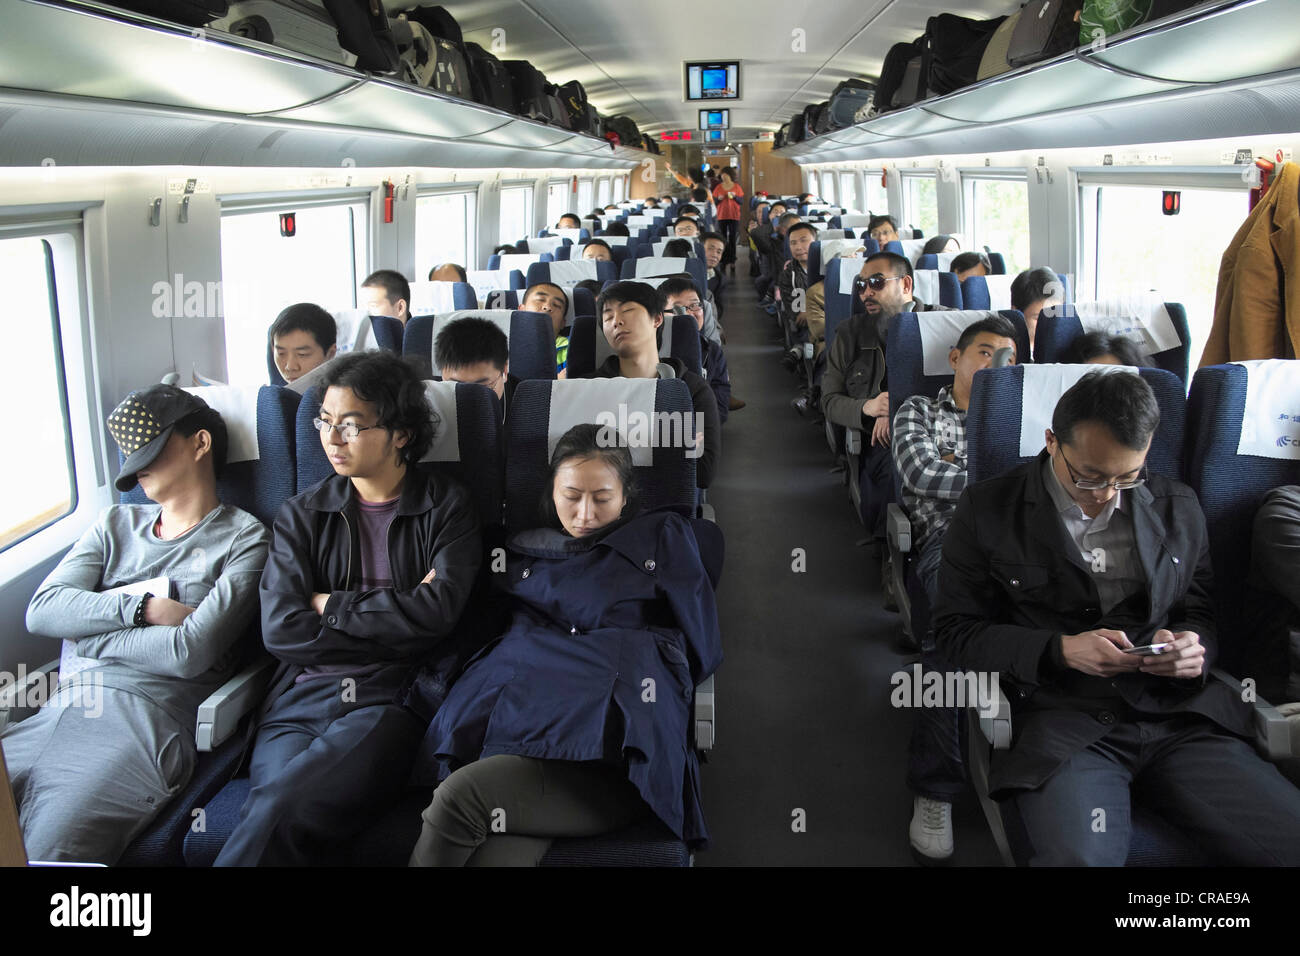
[{"x": 317, "y": 548}]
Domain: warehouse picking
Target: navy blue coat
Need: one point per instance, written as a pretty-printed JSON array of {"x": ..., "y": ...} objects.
[{"x": 606, "y": 644}]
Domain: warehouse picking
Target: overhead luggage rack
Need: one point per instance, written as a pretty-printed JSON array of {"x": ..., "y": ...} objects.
[
  {"x": 75, "y": 74},
  {"x": 1164, "y": 81}
]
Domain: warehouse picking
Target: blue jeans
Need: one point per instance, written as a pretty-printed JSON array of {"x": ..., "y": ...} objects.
[{"x": 935, "y": 767}]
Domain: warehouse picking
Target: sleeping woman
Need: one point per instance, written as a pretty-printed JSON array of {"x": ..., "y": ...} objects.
[{"x": 576, "y": 722}]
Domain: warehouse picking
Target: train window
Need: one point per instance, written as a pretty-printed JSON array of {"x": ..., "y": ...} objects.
[
  {"x": 921, "y": 202},
  {"x": 1129, "y": 246},
  {"x": 516, "y": 220},
  {"x": 849, "y": 189},
  {"x": 997, "y": 216},
  {"x": 263, "y": 271},
  {"x": 827, "y": 193},
  {"x": 444, "y": 230},
  {"x": 602, "y": 194},
  {"x": 876, "y": 198},
  {"x": 557, "y": 201},
  {"x": 620, "y": 188},
  {"x": 49, "y": 484},
  {"x": 813, "y": 184},
  {"x": 586, "y": 188}
]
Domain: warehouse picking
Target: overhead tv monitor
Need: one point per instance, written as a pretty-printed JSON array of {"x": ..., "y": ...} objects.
[
  {"x": 713, "y": 81},
  {"x": 715, "y": 119},
  {"x": 715, "y": 136}
]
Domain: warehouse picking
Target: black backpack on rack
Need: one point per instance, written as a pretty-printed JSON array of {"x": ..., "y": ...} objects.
[
  {"x": 798, "y": 132},
  {"x": 820, "y": 118},
  {"x": 437, "y": 21},
  {"x": 365, "y": 34},
  {"x": 901, "y": 81},
  {"x": 582, "y": 115},
  {"x": 954, "y": 47},
  {"x": 531, "y": 101},
  {"x": 626, "y": 129},
  {"x": 489, "y": 79},
  {"x": 192, "y": 13}
]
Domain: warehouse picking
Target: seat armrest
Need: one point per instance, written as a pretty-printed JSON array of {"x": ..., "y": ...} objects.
[
  {"x": 14, "y": 698},
  {"x": 704, "y": 714},
  {"x": 220, "y": 714},
  {"x": 1276, "y": 735},
  {"x": 898, "y": 529},
  {"x": 853, "y": 441},
  {"x": 995, "y": 723}
]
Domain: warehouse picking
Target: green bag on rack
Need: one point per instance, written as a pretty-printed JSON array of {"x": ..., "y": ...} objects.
[{"x": 1102, "y": 19}]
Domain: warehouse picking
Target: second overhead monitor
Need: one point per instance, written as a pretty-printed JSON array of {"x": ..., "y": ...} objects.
[{"x": 715, "y": 119}]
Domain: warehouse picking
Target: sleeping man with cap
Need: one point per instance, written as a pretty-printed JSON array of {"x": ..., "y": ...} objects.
[{"x": 88, "y": 780}]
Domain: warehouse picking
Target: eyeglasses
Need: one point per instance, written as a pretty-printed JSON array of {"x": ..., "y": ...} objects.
[
  {"x": 697, "y": 307},
  {"x": 875, "y": 282},
  {"x": 348, "y": 431},
  {"x": 1090, "y": 484}
]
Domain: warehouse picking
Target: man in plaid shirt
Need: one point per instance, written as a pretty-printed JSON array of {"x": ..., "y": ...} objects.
[{"x": 929, "y": 448}]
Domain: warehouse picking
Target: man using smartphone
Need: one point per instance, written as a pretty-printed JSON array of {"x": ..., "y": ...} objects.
[{"x": 1049, "y": 574}]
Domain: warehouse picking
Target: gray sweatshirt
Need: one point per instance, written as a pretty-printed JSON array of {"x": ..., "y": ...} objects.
[{"x": 214, "y": 567}]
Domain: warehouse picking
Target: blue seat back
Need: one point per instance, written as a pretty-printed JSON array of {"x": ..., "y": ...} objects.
[
  {"x": 839, "y": 298},
  {"x": 658, "y": 267},
  {"x": 356, "y": 330},
  {"x": 529, "y": 334},
  {"x": 997, "y": 412},
  {"x": 517, "y": 260},
  {"x": 467, "y": 443},
  {"x": 910, "y": 371},
  {"x": 978, "y": 292},
  {"x": 543, "y": 411},
  {"x": 588, "y": 347},
  {"x": 569, "y": 272},
  {"x": 941, "y": 288},
  {"x": 260, "y": 457},
  {"x": 1059, "y": 326},
  {"x": 1230, "y": 485},
  {"x": 431, "y": 298}
]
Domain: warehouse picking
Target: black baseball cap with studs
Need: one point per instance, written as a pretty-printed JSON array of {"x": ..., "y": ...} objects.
[{"x": 142, "y": 424}]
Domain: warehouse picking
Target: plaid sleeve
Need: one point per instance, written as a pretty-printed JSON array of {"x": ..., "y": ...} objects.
[{"x": 916, "y": 455}]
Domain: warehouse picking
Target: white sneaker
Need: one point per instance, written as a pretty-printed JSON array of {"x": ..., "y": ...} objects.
[{"x": 931, "y": 830}]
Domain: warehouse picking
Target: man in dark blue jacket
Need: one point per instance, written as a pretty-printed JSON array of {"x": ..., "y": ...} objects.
[
  {"x": 1061, "y": 577},
  {"x": 368, "y": 574}
]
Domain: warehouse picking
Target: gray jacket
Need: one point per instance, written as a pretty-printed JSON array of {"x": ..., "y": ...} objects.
[{"x": 855, "y": 367}]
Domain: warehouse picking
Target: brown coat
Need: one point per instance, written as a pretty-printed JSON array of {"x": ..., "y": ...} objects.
[{"x": 1257, "y": 304}]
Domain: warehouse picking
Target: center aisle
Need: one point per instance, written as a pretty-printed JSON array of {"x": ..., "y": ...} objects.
[{"x": 804, "y": 721}]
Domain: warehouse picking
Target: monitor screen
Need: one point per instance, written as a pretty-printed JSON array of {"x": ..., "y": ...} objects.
[
  {"x": 713, "y": 81},
  {"x": 715, "y": 136},
  {"x": 715, "y": 119}
]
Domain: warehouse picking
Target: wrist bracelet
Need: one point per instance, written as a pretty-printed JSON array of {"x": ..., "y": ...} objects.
[{"x": 138, "y": 620}]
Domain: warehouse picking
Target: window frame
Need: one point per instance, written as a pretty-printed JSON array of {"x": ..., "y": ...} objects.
[
  {"x": 531, "y": 208},
  {"x": 1087, "y": 179},
  {"x": 566, "y": 183},
  {"x": 967, "y": 178},
  {"x": 852, "y": 174},
  {"x": 62, "y": 228},
  {"x": 426, "y": 191},
  {"x": 907, "y": 219}
]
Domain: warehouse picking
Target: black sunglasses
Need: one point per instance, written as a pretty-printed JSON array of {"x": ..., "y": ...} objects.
[{"x": 874, "y": 282}]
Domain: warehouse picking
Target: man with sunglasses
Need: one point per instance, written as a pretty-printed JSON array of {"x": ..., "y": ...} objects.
[
  {"x": 368, "y": 574},
  {"x": 853, "y": 386},
  {"x": 475, "y": 351},
  {"x": 1062, "y": 576}
]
